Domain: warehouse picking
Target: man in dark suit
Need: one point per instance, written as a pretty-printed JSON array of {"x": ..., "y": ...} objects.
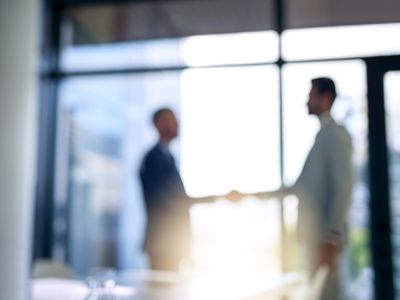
[{"x": 167, "y": 238}]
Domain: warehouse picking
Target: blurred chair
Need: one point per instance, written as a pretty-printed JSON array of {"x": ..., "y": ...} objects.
[{"x": 45, "y": 268}]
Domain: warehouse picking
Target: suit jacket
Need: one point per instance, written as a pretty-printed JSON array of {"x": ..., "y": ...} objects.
[
  {"x": 167, "y": 205},
  {"x": 324, "y": 186}
]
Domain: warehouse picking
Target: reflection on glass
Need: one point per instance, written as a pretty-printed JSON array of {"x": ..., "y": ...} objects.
[
  {"x": 350, "y": 109},
  {"x": 104, "y": 128},
  {"x": 338, "y": 42},
  {"x": 392, "y": 106}
]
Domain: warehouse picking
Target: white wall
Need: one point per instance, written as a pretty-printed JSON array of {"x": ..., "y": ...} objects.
[{"x": 18, "y": 53}]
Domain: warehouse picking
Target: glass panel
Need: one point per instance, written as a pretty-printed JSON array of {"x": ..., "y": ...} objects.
[
  {"x": 239, "y": 48},
  {"x": 252, "y": 47},
  {"x": 237, "y": 246},
  {"x": 350, "y": 109},
  {"x": 104, "y": 130},
  {"x": 230, "y": 140},
  {"x": 150, "y": 54},
  {"x": 338, "y": 42},
  {"x": 392, "y": 105},
  {"x": 231, "y": 122}
]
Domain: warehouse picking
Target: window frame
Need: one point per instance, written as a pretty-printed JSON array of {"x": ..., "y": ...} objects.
[{"x": 51, "y": 75}]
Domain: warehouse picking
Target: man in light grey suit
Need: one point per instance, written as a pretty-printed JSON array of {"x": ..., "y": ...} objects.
[{"x": 324, "y": 189}]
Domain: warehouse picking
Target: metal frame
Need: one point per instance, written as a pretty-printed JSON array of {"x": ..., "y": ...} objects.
[
  {"x": 76, "y": 3},
  {"x": 44, "y": 205},
  {"x": 380, "y": 215},
  {"x": 376, "y": 68}
]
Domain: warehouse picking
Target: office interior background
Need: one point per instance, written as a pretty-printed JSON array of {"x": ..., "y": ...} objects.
[{"x": 237, "y": 73}]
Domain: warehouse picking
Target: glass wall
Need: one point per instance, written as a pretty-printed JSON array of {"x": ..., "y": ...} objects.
[
  {"x": 230, "y": 130},
  {"x": 224, "y": 144},
  {"x": 338, "y": 42},
  {"x": 104, "y": 129},
  {"x": 230, "y": 140},
  {"x": 194, "y": 51},
  {"x": 225, "y": 91}
]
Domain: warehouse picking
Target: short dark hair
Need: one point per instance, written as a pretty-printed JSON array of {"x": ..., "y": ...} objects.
[
  {"x": 325, "y": 85},
  {"x": 159, "y": 112}
]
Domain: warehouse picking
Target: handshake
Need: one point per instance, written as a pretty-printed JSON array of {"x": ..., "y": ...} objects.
[{"x": 235, "y": 196}]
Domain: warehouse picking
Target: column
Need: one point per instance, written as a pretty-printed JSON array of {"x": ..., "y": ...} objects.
[{"x": 18, "y": 79}]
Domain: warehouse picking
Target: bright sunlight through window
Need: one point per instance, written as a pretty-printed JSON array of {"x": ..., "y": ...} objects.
[{"x": 341, "y": 41}]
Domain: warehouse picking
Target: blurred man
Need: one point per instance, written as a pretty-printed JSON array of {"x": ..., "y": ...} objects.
[
  {"x": 324, "y": 189},
  {"x": 167, "y": 238}
]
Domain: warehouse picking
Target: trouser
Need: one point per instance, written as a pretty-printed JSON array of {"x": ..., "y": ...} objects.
[
  {"x": 165, "y": 262},
  {"x": 333, "y": 288}
]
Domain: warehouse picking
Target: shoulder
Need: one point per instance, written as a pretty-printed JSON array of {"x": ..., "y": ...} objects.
[
  {"x": 153, "y": 151},
  {"x": 153, "y": 154},
  {"x": 337, "y": 133}
]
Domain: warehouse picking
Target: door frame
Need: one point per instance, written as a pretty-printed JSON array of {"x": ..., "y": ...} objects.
[{"x": 380, "y": 215}]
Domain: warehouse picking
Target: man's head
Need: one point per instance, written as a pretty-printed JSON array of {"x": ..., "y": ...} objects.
[
  {"x": 166, "y": 124},
  {"x": 322, "y": 95}
]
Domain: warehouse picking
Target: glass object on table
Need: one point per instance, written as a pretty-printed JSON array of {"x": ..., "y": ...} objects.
[{"x": 101, "y": 282}]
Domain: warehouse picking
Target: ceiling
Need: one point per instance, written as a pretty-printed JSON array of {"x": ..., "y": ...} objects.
[{"x": 109, "y": 23}]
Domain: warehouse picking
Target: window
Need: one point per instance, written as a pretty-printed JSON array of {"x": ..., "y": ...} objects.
[
  {"x": 230, "y": 125},
  {"x": 392, "y": 96},
  {"x": 225, "y": 91},
  {"x": 221, "y": 49},
  {"x": 104, "y": 129},
  {"x": 338, "y": 42},
  {"x": 230, "y": 140},
  {"x": 239, "y": 48}
]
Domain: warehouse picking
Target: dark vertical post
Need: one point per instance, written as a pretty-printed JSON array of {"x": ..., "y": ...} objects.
[
  {"x": 49, "y": 66},
  {"x": 279, "y": 26},
  {"x": 380, "y": 218}
]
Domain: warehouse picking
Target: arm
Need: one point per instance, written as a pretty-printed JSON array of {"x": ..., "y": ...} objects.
[
  {"x": 339, "y": 162},
  {"x": 233, "y": 196},
  {"x": 236, "y": 196},
  {"x": 274, "y": 194},
  {"x": 207, "y": 199}
]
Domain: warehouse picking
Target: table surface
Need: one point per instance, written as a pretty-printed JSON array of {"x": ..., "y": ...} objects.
[{"x": 151, "y": 285}]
